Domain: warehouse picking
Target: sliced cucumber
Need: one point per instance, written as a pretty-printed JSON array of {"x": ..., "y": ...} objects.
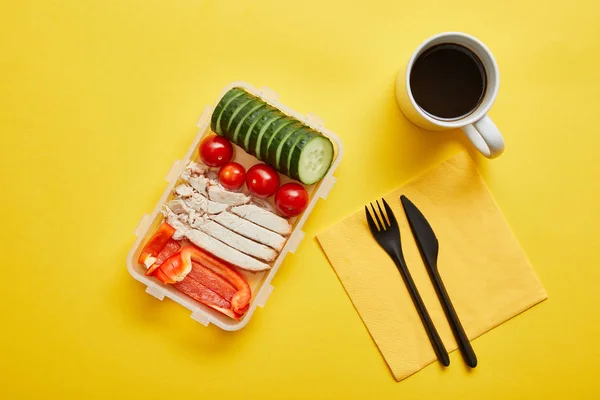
[
  {"x": 259, "y": 130},
  {"x": 231, "y": 111},
  {"x": 238, "y": 120},
  {"x": 277, "y": 140},
  {"x": 265, "y": 136},
  {"x": 286, "y": 151},
  {"x": 248, "y": 124},
  {"x": 272, "y": 131},
  {"x": 215, "y": 120},
  {"x": 265, "y": 132},
  {"x": 311, "y": 158}
]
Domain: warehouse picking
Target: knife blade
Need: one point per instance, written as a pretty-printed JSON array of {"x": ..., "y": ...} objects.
[{"x": 429, "y": 248}]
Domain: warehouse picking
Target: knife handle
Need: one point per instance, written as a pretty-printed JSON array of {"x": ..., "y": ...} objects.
[
  {"x": 457, "y": 329},
  {"x": 434, "y": 337}
]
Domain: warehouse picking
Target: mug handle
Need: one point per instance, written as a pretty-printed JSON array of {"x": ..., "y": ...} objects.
[{"x": 485, "y": 137}]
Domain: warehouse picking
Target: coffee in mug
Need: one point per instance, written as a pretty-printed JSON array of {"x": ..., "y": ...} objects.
[{"x": 451, "y": 81}]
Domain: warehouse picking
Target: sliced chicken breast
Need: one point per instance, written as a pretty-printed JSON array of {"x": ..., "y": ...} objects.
[
  {"x": 178, "y": 206},
  {"x": 250, "y": 230},
  {"x": 173, "y": 219},
  {"x": 214, "y": 207},
  {"x": 220, "y": 195},
  {"x": 225, "y": 252},
  {"x": 189, "y": 217},
  {"x": 193, "y": 169},
  {"x": 196, "y": 169},
  {"x": 184, "y": 191},
  {"x": 236, "y": 241},
  {"x": 213, "y": 176},
  {"x": 200, "y": 203},
  {"x": 199, "y": 184},
  {"x": 199, "y": 220},
  {"x": 264, "y": 218}
]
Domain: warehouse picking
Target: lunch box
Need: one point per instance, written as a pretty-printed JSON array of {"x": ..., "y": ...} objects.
[{"x": 260, "y": 282}]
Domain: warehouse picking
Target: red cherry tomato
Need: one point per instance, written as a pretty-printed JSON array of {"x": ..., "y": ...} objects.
[
  {"x": 291, "y": 199},
  {"x": 215, "y": 151},
  {"x": 262, "y": 180},
  {"x": 232, "y": 176}
]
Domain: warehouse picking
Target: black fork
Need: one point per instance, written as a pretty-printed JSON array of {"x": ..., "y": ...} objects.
[{"x": 387, "y": 234}]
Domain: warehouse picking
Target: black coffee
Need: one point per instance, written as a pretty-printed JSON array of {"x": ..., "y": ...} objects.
[{"x": 448, "y": 81}]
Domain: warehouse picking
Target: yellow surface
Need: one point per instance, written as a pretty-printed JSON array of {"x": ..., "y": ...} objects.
[
  {"x": 485, "y": 271},
  {"x": 98, "y": 98}
]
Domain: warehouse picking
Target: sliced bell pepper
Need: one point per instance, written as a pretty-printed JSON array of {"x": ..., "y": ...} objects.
[
  {"x": 212, "y": 281},
  {"x": 169, "y": 250},
  {"x": 202, "y": 294},
  {"x": 155, "y": 244},
  {"x": 178, "y": 266},
  {"x": 158, "y": 274}
]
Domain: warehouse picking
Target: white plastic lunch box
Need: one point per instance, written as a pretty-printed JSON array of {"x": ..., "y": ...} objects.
[{"x": 260, "y": 282}]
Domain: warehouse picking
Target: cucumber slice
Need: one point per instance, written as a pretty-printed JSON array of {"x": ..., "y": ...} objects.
[
  {"x": 286, "y": 150},
  {"x": 259, "y": 129},
  {"x": 231, "y": 111},
  {"x": 248, "y": 124},
  {"x": 236, "y": 123},
  {"x": 215, "y": 120},
  {"x": 272, "y": 131},
  {"x": 311, "y": 158},
  {"x": 276, "y": 142},
  {"x": 266, "y": 132}
]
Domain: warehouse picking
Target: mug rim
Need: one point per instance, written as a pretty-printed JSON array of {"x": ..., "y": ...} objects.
[{"x": 476, "y": 114}]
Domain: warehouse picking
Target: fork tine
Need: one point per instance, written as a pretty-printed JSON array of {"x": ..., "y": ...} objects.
[
  {"x": 390, "y": 213},
  {"x": 371, "y": 222},
  {"x": 381, "y": 224},
  {"x": 383, "y": 216}
]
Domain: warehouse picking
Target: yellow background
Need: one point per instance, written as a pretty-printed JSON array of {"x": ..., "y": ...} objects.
[{"x": 98, "y": 98}]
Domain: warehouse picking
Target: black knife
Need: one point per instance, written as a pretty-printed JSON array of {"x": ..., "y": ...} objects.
[{"x": 429, "y": 247}]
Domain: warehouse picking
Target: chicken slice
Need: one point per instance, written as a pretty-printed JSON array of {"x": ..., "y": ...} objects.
[
  {"x": 184, "y": 191},
  {"x": 202, "y": 204},
  {"x": 220, "y": 195},
  {"x": 173, "y": 219},
  {"x": 189, "y": 217},
  {"x": 237, "y": 241},
  {"x": 263, "y": 203},
  {"x": 198, "y": 221},
  {"x": 178, "y": 206},
  {"x": 193, "y": 169},
  {"x": 264, "y": 218},
  {"x": 213, "y": 176},
  {"x": 197, "y": 202},
  {"x": 215, "y": 208},
  {"x": 196, "y": 169},
  {"x": 224, "y": 252},
  {"x": 250, "y": 230},
  {"x": 199, "y": 183}
]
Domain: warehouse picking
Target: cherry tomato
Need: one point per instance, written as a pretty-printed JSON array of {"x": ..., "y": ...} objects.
[
  {"x": 262, "y": 180},
  {"x": 291, "y": 199},
  {"x": 215, "y": 151},
  {"x": 232, "y": 176}
]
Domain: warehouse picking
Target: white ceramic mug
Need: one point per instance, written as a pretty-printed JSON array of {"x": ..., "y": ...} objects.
[{"x": 478, "y": 127}]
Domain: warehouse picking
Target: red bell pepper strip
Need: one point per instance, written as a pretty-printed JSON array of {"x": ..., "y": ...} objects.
[
  {"x": 202, "y": 294},
  {"x": 155, "y": 244},
  {"x": 169, "y": 250},
  {"x": 158, "y": 274},
  {"x": 178, "y": 266},
  {"x": 212, "y": 281}
]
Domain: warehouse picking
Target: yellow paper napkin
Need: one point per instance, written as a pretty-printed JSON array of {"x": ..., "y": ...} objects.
[{"x": 486, "y": 273}]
